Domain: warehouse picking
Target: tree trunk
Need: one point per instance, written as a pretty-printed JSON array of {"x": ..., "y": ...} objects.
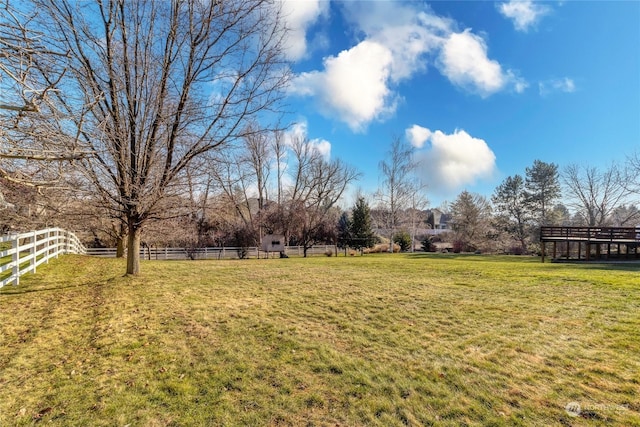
[
  {"x": 120, "y": 246},
  {"x": 120, "y": 239},
  {"x": 133, "y": 249}
]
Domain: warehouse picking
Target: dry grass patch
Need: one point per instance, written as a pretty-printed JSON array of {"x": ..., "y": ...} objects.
[{"x": 375, "y": 340}]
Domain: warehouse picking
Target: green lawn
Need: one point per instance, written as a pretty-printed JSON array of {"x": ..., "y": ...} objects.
[
  {"x": 9, "y": 258},
  {"x": 360, "y": 341}
]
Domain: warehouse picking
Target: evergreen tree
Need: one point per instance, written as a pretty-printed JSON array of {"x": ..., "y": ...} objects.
[
  {"x": 542, "y": 183},
  {"x": 361, "y": 231},
  {"x": 427, "y": 244},
  {"x": 470, "y": 219},
  {"x": 404, "y": 240},
  {"x": 344, "y": 231}
]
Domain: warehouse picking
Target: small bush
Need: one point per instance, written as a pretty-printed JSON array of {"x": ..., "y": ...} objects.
[
  {"x": 427, "y": 244},
  {"x": 403, "y": 239}
]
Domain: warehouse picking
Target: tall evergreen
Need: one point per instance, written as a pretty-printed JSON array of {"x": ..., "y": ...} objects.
[
  {"x": 362, "y": 235},
  {"x": 542, "y": 183},
  {"x": 344, "y": 231}
]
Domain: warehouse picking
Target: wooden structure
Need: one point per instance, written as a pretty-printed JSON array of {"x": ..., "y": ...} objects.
[
  {"x": 273, "y": 243},
  {"x": 587, "y": 243}
]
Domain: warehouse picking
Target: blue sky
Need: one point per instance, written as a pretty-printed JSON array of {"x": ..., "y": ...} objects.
[{"x": 481, "y": 89}]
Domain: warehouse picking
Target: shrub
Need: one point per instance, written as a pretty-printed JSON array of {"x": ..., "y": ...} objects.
[
  {"x": 427, "y": 244},
  {"x": 403, "y": 239}
]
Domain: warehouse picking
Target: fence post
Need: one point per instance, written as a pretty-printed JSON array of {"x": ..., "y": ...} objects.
[
  {"x": 46, "y": 244},
  {"x": 32, "y": 251},
  {"x": 57, "y": 237},
  {"x": 15, "y": 257}
]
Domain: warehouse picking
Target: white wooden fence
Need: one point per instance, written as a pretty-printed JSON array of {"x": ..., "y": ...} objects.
[
  {"x": 29, "y": 250},
  {"x": 155, "y": 253}
]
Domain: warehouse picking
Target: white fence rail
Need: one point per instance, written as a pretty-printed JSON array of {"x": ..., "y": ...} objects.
[
  {"x": 28, "y": 250},
  {"x": 154, "y": 253}
]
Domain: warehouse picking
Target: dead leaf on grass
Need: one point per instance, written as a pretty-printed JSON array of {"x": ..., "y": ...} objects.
[{"x": 42, "y": 413}]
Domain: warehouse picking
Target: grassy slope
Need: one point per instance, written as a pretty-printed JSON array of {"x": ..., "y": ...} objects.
[{"x": 375, "y": 340}]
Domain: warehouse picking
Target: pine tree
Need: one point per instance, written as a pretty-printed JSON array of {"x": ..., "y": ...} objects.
[
  {"x": 361, "y": 231},
  {"x": 470, "y": 218},
  {"x": 542, "y": 183},
  {"x": 344, "y": 231}
]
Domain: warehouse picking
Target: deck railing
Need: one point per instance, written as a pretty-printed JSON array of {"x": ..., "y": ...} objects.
[
  {"x": 606, "y": 234},
  {"x": 579, "y": 241},
  {"x": 24, "y": 252}
]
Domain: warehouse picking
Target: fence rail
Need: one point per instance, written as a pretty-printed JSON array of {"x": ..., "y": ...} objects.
[
  {"x": 154, "y": 253},
  {"x": 606, "y": 234},
  {"x": 26, "y": 251}
]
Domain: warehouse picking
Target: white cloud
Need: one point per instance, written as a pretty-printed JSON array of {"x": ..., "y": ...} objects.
[
  {"x": 519, "y": 84},
  {"x": 410, "y": 33},
  {"x": 299, "y": 132},
  {"x": 398, "y": 41},
  {"x": 417, "y": 135},
  {"x": 322, "y": 146},
  {"x": 524, "y": 13},
  {"x": 356, "y": 86},
  {"x": 452, "y": 161},
  {"x": 353, "y": 86},
  {"x": 298, "y": 16},
  {"x": 565, "y": 85},
  {"x": 464, "y": 61}
]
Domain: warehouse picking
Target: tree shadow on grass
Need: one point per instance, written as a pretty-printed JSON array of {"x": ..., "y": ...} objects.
[
  {"x": 614, "y": 265},
  {"x": 473, "y": 257},
  {"x": 34, "y": 288}
]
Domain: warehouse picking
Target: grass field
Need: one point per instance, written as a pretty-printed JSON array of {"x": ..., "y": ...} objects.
[{"x": 362, "y": 341}]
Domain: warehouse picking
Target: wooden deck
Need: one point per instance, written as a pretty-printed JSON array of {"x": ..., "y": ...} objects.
[{"x": 587, "y": 243}]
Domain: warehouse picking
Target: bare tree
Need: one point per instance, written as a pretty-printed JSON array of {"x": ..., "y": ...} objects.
[
  {"x": 279, "y": 151},
  {"x": 398, "y": 190},
  {"x": 151, "y": 86},
  {"x": 317, "y": 186},
  {"x": 625, "y": 216},
  {"x": 35, "y": 144},
  {"x": 416, "y": 212},
  {"x": 594, "y": 193},
  {"x": 633, "y": 169},
  {"x": 513, "y": 208}
]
